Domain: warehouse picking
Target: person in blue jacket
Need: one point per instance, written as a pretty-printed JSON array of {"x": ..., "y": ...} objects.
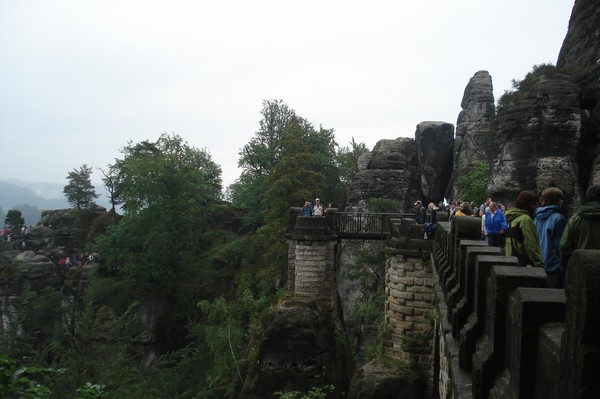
[
  {"x": 550, "y": 225},
  {"x": 307, "y": 209},
  {"x": 495, "y": 224}
]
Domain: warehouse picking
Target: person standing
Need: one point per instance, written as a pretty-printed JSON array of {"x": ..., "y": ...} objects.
[
  {"x": 318, "y": 208},
  {"x": 484, "y": 207},
  {"x": 419, "y": 212},
  {"x": 495, "y": 225},
  {"x": 583, "y": 229},
  {"x": 550, "y": 224},
  {"x": 307, "y": 209},
  {"x": 521, "y": 235}
]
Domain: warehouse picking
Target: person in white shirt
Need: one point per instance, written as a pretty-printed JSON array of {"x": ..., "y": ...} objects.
[{"x": 318, "y": 208}]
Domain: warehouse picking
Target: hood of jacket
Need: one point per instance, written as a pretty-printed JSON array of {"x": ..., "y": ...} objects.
[
  {"x": 514, "y": 213},
  {"x": 591, "y": 210},
  {"x": 544, "y": 212}
]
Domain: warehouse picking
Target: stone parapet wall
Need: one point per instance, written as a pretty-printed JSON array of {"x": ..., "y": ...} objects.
[{"x": 502, "y": 333}]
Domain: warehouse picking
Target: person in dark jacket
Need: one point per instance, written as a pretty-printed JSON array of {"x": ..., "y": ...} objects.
[
  {"x": 550, "y": 224},
  {"x": 420, "y": 214},
  {"x": 521, "y": 235},
  {"x": 583, "y": 229}
]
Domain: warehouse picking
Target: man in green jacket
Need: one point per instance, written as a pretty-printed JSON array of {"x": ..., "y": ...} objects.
[
  {"x": 583, "y": 229},
  {"x": 521, "y": 235}
]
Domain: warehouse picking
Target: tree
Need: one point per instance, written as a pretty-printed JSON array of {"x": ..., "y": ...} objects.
[
  {"x": 14, "y": 219},
  {"x": 347, "y": 158},
  {"x": 167, "y": 190},
  {"x": 80, "y": 192},
  {"x": 109, "y": 178},
  {"x": 262, "y": 152}
]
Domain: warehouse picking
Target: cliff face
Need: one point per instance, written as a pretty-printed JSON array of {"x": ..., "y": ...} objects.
[
  {"x": 539, "y": 128},
  {"x": 579, "y": 57},
  {"x": 32, "y": 271}
]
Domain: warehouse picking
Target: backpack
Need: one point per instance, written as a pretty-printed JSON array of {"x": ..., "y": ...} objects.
[{"x": 515, "y": 233}]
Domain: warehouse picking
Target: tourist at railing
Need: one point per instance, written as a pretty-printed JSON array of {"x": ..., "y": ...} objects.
[
  {"x": 521, "y": 235},
  {"x": 464, "y": 210},
  {"x": 318, "y": 209},
  {"x": 307, "y": 209},
  {"x": 495, "y": 225},
  {"x": 550, "y": 224},
  {"x": 430, "y": 227},
  {"x": 583, "y": 229},
  {"x": 419, "y": 212}
]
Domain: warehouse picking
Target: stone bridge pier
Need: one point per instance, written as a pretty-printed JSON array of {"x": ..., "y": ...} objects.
[{"x": 311, "y": 259}]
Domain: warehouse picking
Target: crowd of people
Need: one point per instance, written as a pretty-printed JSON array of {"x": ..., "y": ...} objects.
[
  {"x": 534, "y": 229},
  {"x": 77, "y": 260}
]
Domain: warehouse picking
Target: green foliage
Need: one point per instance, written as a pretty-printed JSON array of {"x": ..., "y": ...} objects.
[
  {"x": 80, "y": 191},
  {"x": 347, "y": 160},
  {"x": 91, "y": 391},
  {"x": 167, "y": 189},
  {"x": 313, "y": 393},
  {"x": 384, "y": 205},
  {"x": 537, "y": 72},
  {"x": 22, "y": 382},
  {"x": 14, "y": 219},
  {"x": 473, "y": 185},
  {"x": 102, "y": 348},
  {"x": 15, "y": 342}
]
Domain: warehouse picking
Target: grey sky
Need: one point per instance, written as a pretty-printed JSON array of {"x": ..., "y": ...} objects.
[{"x": 79, "y": 79}]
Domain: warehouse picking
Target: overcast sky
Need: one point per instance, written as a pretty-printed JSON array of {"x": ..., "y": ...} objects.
[{"x": 80, "y": 79}]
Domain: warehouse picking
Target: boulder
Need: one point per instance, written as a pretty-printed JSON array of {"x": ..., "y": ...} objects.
[
  {"x": 302, "y": 347},
  {"x": 389, "y": 380},
  {"x": 435, "y": 142},
  {"x": 390, "y": 171}
]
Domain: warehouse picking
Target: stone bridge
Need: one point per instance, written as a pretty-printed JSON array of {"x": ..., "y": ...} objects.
[{"x": 469, "y": 319}]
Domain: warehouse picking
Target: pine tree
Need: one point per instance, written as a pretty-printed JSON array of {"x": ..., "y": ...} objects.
[{"x": 80, "y": 192}]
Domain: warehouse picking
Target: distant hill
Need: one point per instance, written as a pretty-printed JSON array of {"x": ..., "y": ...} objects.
[{"x": 32, "y": 198}]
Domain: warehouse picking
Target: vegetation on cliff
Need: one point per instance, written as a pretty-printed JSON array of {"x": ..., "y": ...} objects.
[{"x": 173, "y": 257}]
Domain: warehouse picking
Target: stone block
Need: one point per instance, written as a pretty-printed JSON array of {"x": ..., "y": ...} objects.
[
  {"x": 474, "y": 326},
  {"x": 454, "y": 282},
  {"x": 459, "y": 313},
  {"x": 547, "y": 370},
  {"x": 489, "y": 354},
  {"x": 527, "y": 310},
  {"x": 580, "y": 356}
]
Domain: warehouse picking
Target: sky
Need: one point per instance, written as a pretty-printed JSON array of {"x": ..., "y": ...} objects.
[{"x": 79, "y": 80}]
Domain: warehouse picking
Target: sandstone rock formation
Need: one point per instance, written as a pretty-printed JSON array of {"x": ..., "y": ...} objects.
[
  {"x": 390, "y": 171},
  {"x": 405, "y": 170},
  {"x": 579, "y": 57},
  {"x": 302, "y": 347},
  {"x": 474, "y": 127},
  {"x": 435, "y": 141},
  {"x": 539, "y": 129},
  {"x": 385, "y": 381}
]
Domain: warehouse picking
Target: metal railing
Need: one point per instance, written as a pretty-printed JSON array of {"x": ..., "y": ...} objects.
[{"x": 365, "y": 225}]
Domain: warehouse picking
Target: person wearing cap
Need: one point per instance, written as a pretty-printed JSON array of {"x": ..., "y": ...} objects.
[
  {"x": 419, "y": 213},
  {"x": 318, "y": 208}
]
